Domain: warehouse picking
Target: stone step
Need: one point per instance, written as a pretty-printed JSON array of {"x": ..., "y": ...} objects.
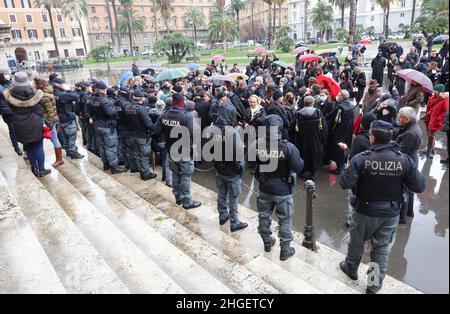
[
  {"x": 175, "y": 263},
  {"x": 233, "y": 275},
  {"x": 24, "y": 266},
  {"x": 78, "y": 265},
  {"x": 161, "y": 198}
]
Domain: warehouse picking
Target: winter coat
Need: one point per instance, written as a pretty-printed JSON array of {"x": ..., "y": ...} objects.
[
  {"x": 48, "y": 102},
  {"x": 437, "y": 108},
  {"x": 413, "y": 98},
  {"x": 28, "y": 113},
  {"x": 409, "y": 140},
  {"x": 369, "y": 98}
]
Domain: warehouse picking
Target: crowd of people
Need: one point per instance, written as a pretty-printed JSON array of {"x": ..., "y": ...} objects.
[{"x": 327, "y": 115}]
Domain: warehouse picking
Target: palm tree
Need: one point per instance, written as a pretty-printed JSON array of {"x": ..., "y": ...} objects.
[
  {"x": 155, "y": 9},
  {"x": 253, "y": 4},
  {"x": 322, "y": 17},
  {"x": 48, "y": 5},
  {"x": 237, "y": 6},
  {"x": 222, "y": 27},
  {"x": 117, "y": 28},
  {"x": 386, "y": 6},
  {"x": 194, "y": 18},
  {"x": 111, "y": 30},
  {"x": 352, "y": 22},
  {"x": 130, "y": 22},
  {"x": 435, "y": 7},
  {"x": 342, "y": 4},
  {"x": 305, "y": 35},
  {"x": 166, "y": 8},
  {"x": 270, "y": 34},
  {"x": 79, "y": 9}
]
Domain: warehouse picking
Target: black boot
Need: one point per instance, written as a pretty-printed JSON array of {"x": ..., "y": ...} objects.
[
  {"x": 106, "y": 167},
  {"x": 133, "y": 170},
  {"x": 76, "y": 156},
  {"x": 224, "y": 221},
  {"x": 286, "y": 253},
  {"x": 193, "y": 205},
  {"x": 374, "y": 289},
  {"x": 42, "y": 173},
  {"x": 268, "y": 246},
  {"x": 352, "y": 273},
  {"x": 18, "y": 151},
  {"x": 239, "y": 226},
  {"x": 117, "y": 170},
  {"x": 148, "y": 176}
]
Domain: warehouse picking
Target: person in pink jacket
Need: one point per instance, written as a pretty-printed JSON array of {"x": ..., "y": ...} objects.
[{"x": 437, "y": 108}]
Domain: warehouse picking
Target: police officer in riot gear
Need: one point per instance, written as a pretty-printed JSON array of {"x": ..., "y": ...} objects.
[
  {"x": 103, "y": 116},
  {"x": 378, "y": 177},
  {"x": 84, "y": 93},
  {"x": 229, "y": 164},
  {"x": 123, "y": 99},
  {"x": 181, "y": 162},
  {"x": 278, "y": 164},
  {"x": 140, "y": 126},
  {"x": 66, "y": 105}
]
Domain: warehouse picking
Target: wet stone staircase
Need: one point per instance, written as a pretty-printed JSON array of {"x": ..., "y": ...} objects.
[{"x": 81, "y": 230}]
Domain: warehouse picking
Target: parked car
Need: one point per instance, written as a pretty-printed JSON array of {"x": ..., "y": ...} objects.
[
  {"x": 147, "y": 52},
  {"x": 333, "y": 41},
  {"x": 312, "y": 41},
  {"x": 300, "y": 43},
  {"x": 397, "y": 35}
]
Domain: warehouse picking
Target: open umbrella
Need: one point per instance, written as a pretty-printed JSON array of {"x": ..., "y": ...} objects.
[
  {"x": 217, "y": 57},
  {"x": 410, "y": 75},
  {"x": 281, "y": 64},
  {"x": 124, "y": 77},
  {"x": 309, "y": 58},
  {"x": 299, "y": 50},
  {"x": 171, "y": 74},
  {"x": 220, "y": 79},
  {"x": 440, "y": 39},
  {"x": 193, "y": 67},
  {"x": 261, "y": 50},
  {"x": 330, "y": 84},
  {"x": 365, "y": 42},
  {"x": 236, "y": 76}
]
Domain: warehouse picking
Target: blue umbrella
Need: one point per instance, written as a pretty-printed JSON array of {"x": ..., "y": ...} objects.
[
  {"x": 193, "y": 67},
  {"x": 124, "y": 77},
  {"x": 440, "y": 39}
]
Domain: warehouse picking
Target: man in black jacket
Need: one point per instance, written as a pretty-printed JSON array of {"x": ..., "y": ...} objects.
[{"x": 276, "y": 108}]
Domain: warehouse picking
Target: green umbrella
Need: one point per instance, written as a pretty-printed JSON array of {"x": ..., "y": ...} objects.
[
  {"x": 171, "y": 74},
  {"x": 281, "y": 64}
]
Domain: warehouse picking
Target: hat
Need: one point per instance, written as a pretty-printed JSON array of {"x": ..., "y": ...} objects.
[
  {"x": 110, "y": 91},
  {"x": 382, "y": 125},
  {"x": 100, "y": 85},
  {"x": 439, "y": 88},
  {"x": 373, "y": 84},
  {"x": 221, "y": 95},
  {"x": 21, "y": 79},
  {"x": 277, "y": 95},
  {"x": 84, "y": 84},
  {"x": 138, "y": 94},
  {"x": 178, "y": 89},
  {"x": 178, "y": 101},
  {"x": 59, "y": 80},
  {"x": 367, "y": 119}
]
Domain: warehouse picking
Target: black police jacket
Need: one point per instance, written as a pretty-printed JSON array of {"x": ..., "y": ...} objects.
[
  {"x": 66, "y": 104},
  {"x": 102, "y": 111}
]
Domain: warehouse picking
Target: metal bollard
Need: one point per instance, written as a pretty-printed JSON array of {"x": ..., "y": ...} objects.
[{"x": 309, "y": 240}]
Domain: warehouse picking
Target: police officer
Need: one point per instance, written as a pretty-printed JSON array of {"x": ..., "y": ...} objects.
[
  {"x": 84, "y": 92},
  {"x": 123, "y": 99},
  {"x": 278, "y": 164},
  {"x": 66, "y": 105},
  {"x": 377, "y": 207},
  {"x": 181, "y": 162},
  {"x": 103, "y": 116},
  {"x": 229, "y": 164},
  {"x": 140, "y": 126}
]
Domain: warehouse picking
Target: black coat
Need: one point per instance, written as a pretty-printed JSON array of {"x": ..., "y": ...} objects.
[
  {"x": 203, "y": 107},
  {"x": 378, "y": 65},
  {"x": 360, "y": 144},
  {"x": 28, "y": 113},
  {"x": 409, "y": 140}
]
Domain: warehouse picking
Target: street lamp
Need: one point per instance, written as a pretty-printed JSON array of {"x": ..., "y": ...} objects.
[{"x": 108, "y": 52}]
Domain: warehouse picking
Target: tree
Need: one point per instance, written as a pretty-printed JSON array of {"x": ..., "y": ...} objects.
[
  {"x": 155, "y": 9},
  {"x": 342, "y": 34},
  {"x": 284, "y": 42},
  {"x": 48, "y": 5},
  {"x": 194, "y": 18},
  {"x": 370, "y": 31},
  {"x": 342, "y": 4},
  {"x": 236, "y": 6},
  {"x": 130, "y": 22},
  {"x": 222, "y": 27},
  {"x": 359, "y": 31},
  {"x": 99, "y": 53},
  {"x": 77, "y": 8},
  {"x": 322, "y": 17},
  {"x": 269, "y": 32},
  {"x": 413, "y": 14},
  {"x": 175, "y": 46},
  {"x": 386, "y": 6},
  {"x": 166, "y": 9},
  {"x": 305, "y": 35},
  {"x": 352, "y": 24},
  {"x": 111, "y": 30},
  {"x": 434, "y": 18},
  {"x": 253, "y": 4},
  {"x": 117, "y": 28},
  {"x": 406, "y": 29}
]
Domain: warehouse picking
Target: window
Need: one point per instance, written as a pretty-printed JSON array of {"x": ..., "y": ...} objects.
[
  {"x": 62, "y": 32},
  {"x": 9, "y": 4},
  {"x": 12, "y": 19},
  {"x": 37, "y": 55},
  {"x": 66, "y": 53},
  {"x": 29, "y": 18},
  {"x": 32, "y": 33},
  {"x": 92, "y": 9},
  {"x": 16, "y": 34},
  {"x": 47, "y": 33},
  {"x": 59, "y": 18},
  {"x": 403, "y": 3},
  {"x": 97, "y": 37},
  {"x": 402, "y": 14},
  {"x": 52, "y": 54},
  {"x": 79, "y": 52},
  {"x": 26, "y": 4},
  {"x": 372, "y": 18},
  {"x": 76, "y": 32},
  {"x": 73, "y": 18},
  {"x": 44, "y": 18}
]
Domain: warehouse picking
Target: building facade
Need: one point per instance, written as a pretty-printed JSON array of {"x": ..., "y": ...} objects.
[
  {"x": 100, "y": 31},
  {"x": 369, "y": 14},
  {"x": 30, "y": 36},
  {"x": 259, "y": 14}
]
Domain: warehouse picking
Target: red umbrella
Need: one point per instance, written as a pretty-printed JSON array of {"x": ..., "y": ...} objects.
[
  {"x": 261, "y": 50},
  {"x": 309, "y": 58},
  {"x": 330, "y": 84},
  {"x": 218, "y": 57},
  {"x": 365, "y": 42},
  {"x": 299, "y": 50}
]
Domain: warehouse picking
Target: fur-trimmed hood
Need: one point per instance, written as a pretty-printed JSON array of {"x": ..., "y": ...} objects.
[{"x": 30, "y": 101}]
